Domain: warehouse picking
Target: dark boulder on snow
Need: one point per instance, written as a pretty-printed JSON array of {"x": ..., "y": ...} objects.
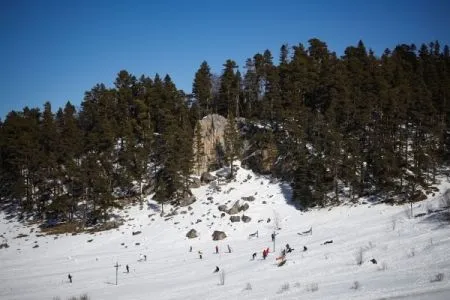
[
  {"x": 222, "y": 207},
  {"x": 195, "y": 183},
  {"x": 224, "y": 173},
  {"x": 244, "y": 207},
  {"x": 188, "y": 200},
  {"x": 246, "y": 219},
  {"x": 218, "y": 235},
  {"x": 234, "y": 209},
  {"x": 192, "y": 234},
  {"x": 249, "y": 198},
  {"x": 235, "y": 219},
  {"x": 207, "y": 177}
]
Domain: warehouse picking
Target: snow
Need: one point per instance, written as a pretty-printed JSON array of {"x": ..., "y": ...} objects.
[{"x": 410, "y": 252}]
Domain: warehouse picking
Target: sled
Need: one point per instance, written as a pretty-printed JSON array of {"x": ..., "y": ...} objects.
[
  {"x": 306, "y": 232},
  {"x": 282, "y": 262}
]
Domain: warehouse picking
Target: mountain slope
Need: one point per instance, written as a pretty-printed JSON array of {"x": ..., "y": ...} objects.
[{"x": 410, "y": 252}]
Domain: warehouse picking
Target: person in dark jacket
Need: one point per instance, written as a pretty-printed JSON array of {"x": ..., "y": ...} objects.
[
  {"x": 70, "y": 278},
  {"x": 128, "y": 269},
  {"x": 216, "y": 270}
]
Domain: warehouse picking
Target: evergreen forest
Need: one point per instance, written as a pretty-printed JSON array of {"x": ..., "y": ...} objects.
[{"x": 337, "y": 126}]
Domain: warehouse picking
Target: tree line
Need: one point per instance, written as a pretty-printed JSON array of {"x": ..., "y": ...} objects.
[{"x": 358, "y": 123}]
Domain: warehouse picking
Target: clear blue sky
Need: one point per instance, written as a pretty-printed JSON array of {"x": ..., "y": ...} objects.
[{"x": 56, "y": 50}]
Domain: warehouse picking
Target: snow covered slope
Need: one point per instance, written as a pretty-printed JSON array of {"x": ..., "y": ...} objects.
[{"x": 412, "y": 254}]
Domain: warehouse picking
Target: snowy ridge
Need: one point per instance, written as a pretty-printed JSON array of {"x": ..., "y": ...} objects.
[{"x": 410, "y": 252}]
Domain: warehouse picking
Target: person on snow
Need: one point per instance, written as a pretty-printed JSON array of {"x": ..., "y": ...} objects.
[
  {"x": 289, "y": 249},
  {"x": 128, "y": 269},
  {"x": 200, "y": 254},
  {"x": 70, "y": 278},
  {"x": 264, "y": 253},
  {"x": 229, "y": 248},
  {"x": 253, "y": 256},
  {"x": 304, "y": 248},
  {"x": 190, "y": 249},
  {"x": 273, "y": 236},
  {"x": 216, "y": 270},
  {"x": 145, "y": 257},
  {"x": 217, "y": 249}
]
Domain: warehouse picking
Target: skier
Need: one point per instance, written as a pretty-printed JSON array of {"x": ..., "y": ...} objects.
[
  {"x": 190, "y": 249},
  {"x": 264, "y": 253},
  {"x": 128, "y": 269},
  {"x": 70, "y": 278},
  {"x": 200, "y": 254},
  {"x": 217, "y": 249},
  {"x": 304, "y": 248},
  {"x": 273, "y": 236},
  {"x": 229, "y": 248},
  {"x": 145, "y": 257},
  {"x": 216, "y": 270},
  {"x": 253, "y": 256}
]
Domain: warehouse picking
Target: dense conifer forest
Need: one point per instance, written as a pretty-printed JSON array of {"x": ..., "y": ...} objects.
[{"x": 361, "y": 123}]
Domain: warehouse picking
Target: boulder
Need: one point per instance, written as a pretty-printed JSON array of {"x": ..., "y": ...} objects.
[
  {"x": 246, "y": 219},
  {"x": 218, "y": 235},
  {"x": 244, "y": 207},
  {"x": 207, "y": 177},
  {"x": 235, "y": 219},
  {"x": 234, "y": 209},
  {"x": 188, "y": 200},
  {"x": 192, "y": 234},
  {"x": 195, "y": 183},
  {"x": 222, "y": 207},
  {"x": 224, "y": 173},
  {"x": 249, "y": 198}
]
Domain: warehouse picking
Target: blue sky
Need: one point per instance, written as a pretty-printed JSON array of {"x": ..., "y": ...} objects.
[{"x": 56, "y": 50}]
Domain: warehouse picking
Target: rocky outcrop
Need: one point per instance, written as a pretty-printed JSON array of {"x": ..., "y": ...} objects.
[{"x": 211, "y": 130}]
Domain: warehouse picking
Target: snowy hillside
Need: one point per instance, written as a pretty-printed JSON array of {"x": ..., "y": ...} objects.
[{"x": 412, "y": 254}]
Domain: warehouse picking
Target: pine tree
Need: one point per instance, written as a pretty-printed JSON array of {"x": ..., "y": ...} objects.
[
  {"x": 232, "y": 142},
  {"x": 202, "y": 89},
  {"x": 229, "y": 89}
]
